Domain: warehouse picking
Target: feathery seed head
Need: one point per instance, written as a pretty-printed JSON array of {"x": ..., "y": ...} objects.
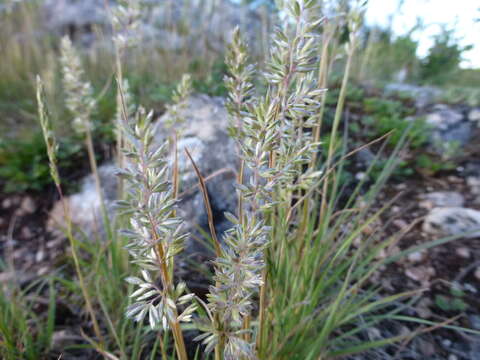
[
  {"x": 79, "y": 93},
  {"x": 155, "y": 235},
  {"x": 48, "y": 135},
  {"x": 126, "y": 20}
]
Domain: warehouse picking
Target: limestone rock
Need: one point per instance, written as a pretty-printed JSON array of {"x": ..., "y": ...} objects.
[
  {"x": 452, "y": 221},
  {"x": 205, "y": 136},
  {"x": 84, "y": 206},
  {"x": 474, "y": 115},
  {"x": 423, "y": 95},
  {"x": 214, "y": 152},
  {"x": 444, "y": 198},
  {"x": 449, "y": 129},
  {"x": 178, "y": 24}
]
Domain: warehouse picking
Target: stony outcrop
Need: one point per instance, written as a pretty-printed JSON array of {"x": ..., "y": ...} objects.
[
  {"x": 450, "y": 128},
  {"x": 423, "y": 95},
  {"x": 171, "y": 25},
  {"x": 453, "y": 221},
  {"x": 205, "y": 136}
]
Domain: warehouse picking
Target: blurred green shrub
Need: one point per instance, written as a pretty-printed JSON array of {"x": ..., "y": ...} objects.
[
  {"x": 24, "y": 163},
  {"x": 385, "y": 115},
  {"x": 442, "y": 63}
]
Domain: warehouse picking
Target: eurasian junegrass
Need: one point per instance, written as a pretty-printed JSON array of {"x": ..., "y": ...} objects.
[
  {"x": 286, "y": 282},
  {"x": 155, "y": 234},
  {"x": 81, "y": 104},
  {"x": 273, "y": 147},
  {"x": 51, "y": 144}
]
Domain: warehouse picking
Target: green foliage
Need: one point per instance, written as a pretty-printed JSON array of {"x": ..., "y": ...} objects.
[
  {"x": 456, "y": 94},
  {"x": 384, "y": 115},
  {"x": 443, "y": 60},
  {"x": 432, "y": 164},
  {"x": 385, "y": 54},
  {"x": 454, "y": 302},
  {"x": 23, "y": 333},
  {"x": 156, "y": 94},
  {"x": 24, "y": 163},
  {"x": 212, "y": 84}
]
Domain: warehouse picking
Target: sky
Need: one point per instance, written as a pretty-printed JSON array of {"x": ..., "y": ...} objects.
[{"x": 459, "y": 14}]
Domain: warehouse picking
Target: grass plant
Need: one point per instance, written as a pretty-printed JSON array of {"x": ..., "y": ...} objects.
[{"x": 289, "y": 281}]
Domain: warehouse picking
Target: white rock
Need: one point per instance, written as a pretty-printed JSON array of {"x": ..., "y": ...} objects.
[
  {"x": 173, "y": 25},
  {"x": 416, "y": 256},
  {"x": 463, "y": 252},
  {"x": 204, "y": 134},
  {"x": 474, "y": 115},
  {"x": 443, "y": 117},
  {"x": 445, "y": 198},
  {"x": 452, "y": 221},
  {"x": 84, "y": 206},
  {"x": 477, "y": 273},
  {"x": 473, "y": 183}
]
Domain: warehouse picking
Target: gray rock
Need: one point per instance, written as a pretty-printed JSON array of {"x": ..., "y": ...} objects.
[
  {"x": 443, "y": 117},
  {"x": 445, "y": 199},
  {"x": 171, "y": 25},
  {"x": 449, "y": 129},
  {"x": 205, "y": 136},
  {"x": 423, "y": 95},
  {"x": 473, "y": 183},
  {"x": 365, "y": 157},
  {"x": 474, "y": 115},
  {"x": 453, "y": 221},
  {"x": 475, "y": 349},
  {"x": 214, "y": 152},
  {"x": 84, "y": 206},
  {"x": 474, "y": 321}
]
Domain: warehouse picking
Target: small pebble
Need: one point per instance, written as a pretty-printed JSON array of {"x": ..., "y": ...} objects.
[
  {"x": 426, "y": 204},
  {"x": 40, "y": 255},
  {"x": 395, "y": 209},
  {"x": 470, "y": 287},
  {"x": 374, "y": 333},
  {"x": 426, "y": 348},
  {"x": 43, "y": 270},
  {"x": 27, "y": 206},
  {"x": 7, "y": 203},
  {"x": 26, "y": 232},
  {"x": 400, "y": 223},
  {"x": 477, "y": 273},
  {"x": 475, "y": 321},
  {"x": 360, "y": 176},
  {"x": 463, "y": 252},
  {"x": 416, "y": 257}
]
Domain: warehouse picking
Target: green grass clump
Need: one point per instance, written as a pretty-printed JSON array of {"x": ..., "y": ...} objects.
[
  {"x": 291, "y": 277},
  {"x": 24, "y": 333},
  {"x": 383, "y": 116},
  {"x": 24, "y": 163}
]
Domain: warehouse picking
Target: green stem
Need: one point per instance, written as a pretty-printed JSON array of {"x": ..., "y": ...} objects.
[{"x": 81, "y": 280}]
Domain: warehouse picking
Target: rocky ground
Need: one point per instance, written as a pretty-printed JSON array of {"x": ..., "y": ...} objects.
[{"x": 428, "y": 207}]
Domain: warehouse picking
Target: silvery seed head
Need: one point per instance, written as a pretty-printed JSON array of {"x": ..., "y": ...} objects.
[
  {"x": 78, "y": 92},
  {"x": 155, "y": 234},
  {"x": 126, "y": 21}
]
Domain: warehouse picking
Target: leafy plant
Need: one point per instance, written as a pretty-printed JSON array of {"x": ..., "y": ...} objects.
[
  {"x": 24, "y": 334},
  {"x": 443, "y": 60},
  {"x": 383, "y": 116},
  {"x": 24, "y": 163},
  {"x": 455, "y": 302},
  {"x": 288, "y": 280}
]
